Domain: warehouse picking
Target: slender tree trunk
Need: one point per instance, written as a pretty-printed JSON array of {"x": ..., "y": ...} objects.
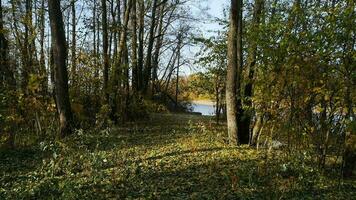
[
  {"x": 117, "y": 71},
  {"x": 178, "y": 63},
  {"x": 95, "y": 54},
  {"x": 73, "y": 47},
  {"x": 158, "y": 46},
  {"x": 148, "y": 64},
  {"x": 6, "y": 74},
  {"x": 114, "y": 33},
  {"x": 7, "y": 81},
  {"x": 231, "y": 77},
  {"x": 123, "y": 36},
  {"x": 349, "y": 154},
  {"x": 251, "y": 67},
  {"x": 3, "y": 51},
  {"x": 127, "y": 80},
  {"x": 134, "y": 47},
  {"x": 43, "y": 70},
  {"x": 140, "y": 44},
  {"x": 256, "y": 129},
  {"x": 105, "y": 50},
  {"x": 217, "y": 99},
  {"x": 26, "y": 50},
  {"x": 243, "y": 125},
  {"x": 60, "y": 71}
]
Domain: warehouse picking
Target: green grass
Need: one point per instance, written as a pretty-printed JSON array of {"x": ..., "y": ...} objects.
[{"x": 166, "y": 157}]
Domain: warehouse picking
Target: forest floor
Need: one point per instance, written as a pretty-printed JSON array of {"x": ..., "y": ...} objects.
[{"x": 166, "y": 157}]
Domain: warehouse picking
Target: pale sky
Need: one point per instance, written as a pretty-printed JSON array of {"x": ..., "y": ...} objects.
[{"x": 205, "y": 11}]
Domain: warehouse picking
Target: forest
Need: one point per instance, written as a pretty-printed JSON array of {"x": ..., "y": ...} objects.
[{"x": 99, "y": 99}]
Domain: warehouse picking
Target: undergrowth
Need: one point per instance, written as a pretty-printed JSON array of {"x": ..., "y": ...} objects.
[{"x": 165, "y": 157}]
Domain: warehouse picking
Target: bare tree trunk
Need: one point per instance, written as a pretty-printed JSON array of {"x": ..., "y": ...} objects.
[
  {"x": 256, "y": 129},
  {"x": 349, "y": 154},
  {"x": 118, "y": 66},
  {"x": 95, "y": 54},
  {"x": 251, "y": 67},
  {"x": 7, "y": 81},
  {"x": 73, "y": 47},
  {"x": 243, "y": 126},
  {"x": 148, "y": 65},
  {"x": 134, "y": 47},
  {"x": 231, "y": 77},
  {"x": 61, "y": 74},
  {"x": 159, "y": 35},
  {"x": 6, "y": 74},
  {"x": 177, "y": 69},
  {"x": 26, "y": 49},
  {"x": 43, "y": 71},
  {"x": 140, "y": 44},
  {"x": 105, "y": 50},
  {"x": 217, "y": 98}
]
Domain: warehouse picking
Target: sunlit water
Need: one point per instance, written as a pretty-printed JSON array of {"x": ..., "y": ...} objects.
[{"x": 204, "y": 109}]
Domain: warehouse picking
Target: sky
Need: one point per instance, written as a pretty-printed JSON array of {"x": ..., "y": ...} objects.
[
  {"x": 215, "y": 10},
  {"x": 205, "y": 11}
]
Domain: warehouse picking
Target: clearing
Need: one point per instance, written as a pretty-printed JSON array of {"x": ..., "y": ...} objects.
[{"x": 166, "y": 157}]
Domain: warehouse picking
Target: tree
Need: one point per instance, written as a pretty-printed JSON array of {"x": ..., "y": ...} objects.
[
  {"x": 60, "y": 68},
  {"x": 231, "y": 75},
  {"x": 74, "y": 43},
  {"x": 148, "y": 65},
  {"x": 43, "y": 71},
  {"x": 251, "y": 70},
  {"x": 135, "y": 71},
  {"x": 243, "y": 126},
  {"x": 5, "y": 72},
  {"x": 140, "y": 50},
  {"x": 118, "y": 67},
  {"x": 105, "y": 51}
]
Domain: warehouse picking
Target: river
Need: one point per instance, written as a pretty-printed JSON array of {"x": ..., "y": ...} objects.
[{"x": 204, "y": 107}]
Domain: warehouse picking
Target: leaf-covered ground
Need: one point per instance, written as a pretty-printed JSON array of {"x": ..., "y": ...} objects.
[{"x": 166, "y": 157}]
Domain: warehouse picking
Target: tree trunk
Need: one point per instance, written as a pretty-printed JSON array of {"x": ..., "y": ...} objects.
[
  {"x": 243, "y": 124},
  {"x": 43, "y": 71},
  {"x": 349, "y": 154},
  {"x": 27, "y": 46},
  {"x": 178, "y": 63},
  {"x": 148, "y": 65},
  {"x": 105, "y": 51},
  {"x": 251, "y": 67},
  {"x": 140, "y": 44},
  {"x": 60, "y": 68},
  {"x": 231, "y": 76},
  {"x": 159, "y": 35},
  {"x": 6, "y": 74},
  {"x": 134, "y": 47},
  {"x": 73, "y": 47},
  {"x": 117, "y": 71}
]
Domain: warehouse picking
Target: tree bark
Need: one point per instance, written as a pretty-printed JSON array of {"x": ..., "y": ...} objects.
[
  {"x": 231, "y": 76},
  {"x": 27, "y": 49},
  {"x": 105, "y": 51},
  {"x": 60, "y": 68},
  {"x": 6, "y": 74},
  {"x": 177, "y": 69},
  {"x": 159, "y": 35},
  {"x": 251, "y": 67},
  {"x": 117, "y": 70},
  {"x": 73, "y": 47},
  {"x": 148, "y": 65},
  {"x": 134, "y": 47},
  {"x": 140, "y": 44},
  {"x": 243, "y": 125},
  {"x": 43, "y": 71}
]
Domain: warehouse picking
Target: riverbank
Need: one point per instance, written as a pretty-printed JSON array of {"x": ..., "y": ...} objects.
[{"x": 203, "y": 102}]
